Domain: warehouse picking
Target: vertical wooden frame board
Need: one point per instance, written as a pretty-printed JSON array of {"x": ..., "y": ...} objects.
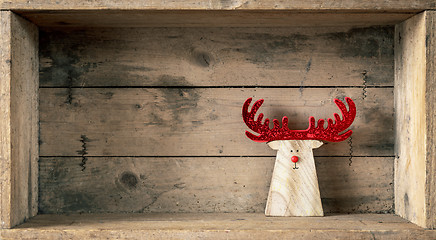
[
  {"x": 24, "y": 118},
  {"x": 415, "y": 99},
  {"x": 5, "y": 120},
  {"x": 18, "y": 120},
  {"x": 430, "y": 99}
]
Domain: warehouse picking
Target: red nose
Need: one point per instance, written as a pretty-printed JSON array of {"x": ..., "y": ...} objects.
[{"x": 294, "y": 159}]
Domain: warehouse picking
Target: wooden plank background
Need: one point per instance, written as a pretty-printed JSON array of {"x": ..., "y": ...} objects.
[
  {"x": 199, "y": 121},
  {"x": 217, "y": 57},
  {"x": 204, "y": 184},
  {"x": 149, "y": 119}
]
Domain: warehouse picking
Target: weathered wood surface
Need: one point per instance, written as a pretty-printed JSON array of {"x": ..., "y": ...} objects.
[
  {"x": 430, "y": 115},
  {"x": 337, "y": 56},
  {"x": 316, "y": 5},
  {"x": 204, "y": 184},
  {"x": 415, "y": 98},
  {"x": 294, "y": 187},
  {"x": 199, "y": 121},
  {"x": 195, "y": 18},
  {"x": 19, "y": 119},
  {"x": 5, "y": 119},
  {"x": 216, "y": 226},
  {"x": 24, "y": 118}
]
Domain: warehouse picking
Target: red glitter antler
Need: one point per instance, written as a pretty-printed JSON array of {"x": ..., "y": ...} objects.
[{"x": 332, "y": 133}]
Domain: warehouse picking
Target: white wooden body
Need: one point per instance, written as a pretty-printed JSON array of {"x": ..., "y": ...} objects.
[{"x": 294, "y": 192}]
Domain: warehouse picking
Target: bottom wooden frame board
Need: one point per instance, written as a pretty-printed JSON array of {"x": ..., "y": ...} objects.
[{"x": 216, "y": 226}]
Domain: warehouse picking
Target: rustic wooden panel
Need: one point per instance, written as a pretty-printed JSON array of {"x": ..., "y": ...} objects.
[
  {"x": 5, "y": 119},
  {"x": 217, "y": 57},
  {"x": 346, "y": 5},
  {"x": 214, "y": 184},
  {"x": 24, "y": 119},
  {"x": 216, "y": 226},
  {"x": 415, "y": 116},
  {"x": 430, "y": 115},
  {"x": 199, "y": 121},
  {"x": 191, "y": 221},
  {"x": 19, "y": 119},
  {"x": 194, "y": 18}
]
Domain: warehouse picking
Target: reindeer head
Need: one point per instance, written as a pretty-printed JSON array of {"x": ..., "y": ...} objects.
[
  {"x": 295, "y": 149},
  {"x": 313, "y": 133}
]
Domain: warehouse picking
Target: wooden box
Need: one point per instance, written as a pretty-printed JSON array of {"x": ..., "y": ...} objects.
[{"x": 124, "y": 120}]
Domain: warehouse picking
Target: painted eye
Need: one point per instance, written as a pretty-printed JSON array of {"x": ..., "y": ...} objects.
[
  {"x": 297, "y": 150},
  {"x": 291, "y": 151}
]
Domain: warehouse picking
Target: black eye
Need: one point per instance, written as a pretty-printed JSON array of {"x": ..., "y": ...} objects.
[
  {"x": 291, "y": 150},
  {"x": 297, "y": 150}
]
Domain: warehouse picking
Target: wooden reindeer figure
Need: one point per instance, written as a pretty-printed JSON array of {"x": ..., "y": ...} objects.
[{"x": 294, "y": 189}]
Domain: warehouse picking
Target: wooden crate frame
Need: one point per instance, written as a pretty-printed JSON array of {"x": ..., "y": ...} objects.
[{"x": 415, "y": 99}]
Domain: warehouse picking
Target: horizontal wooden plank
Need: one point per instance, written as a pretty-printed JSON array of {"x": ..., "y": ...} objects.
[
  {"x": 200, "y": 121},
  {"x": 191, "y": 221},
  {"x": 216, "y": 226},
  {"x": 217, "y": 57},
  {"x": 214, "y": 184},
  {"x": 346, "y": 5},
  {"x": 195, "y": 18}
]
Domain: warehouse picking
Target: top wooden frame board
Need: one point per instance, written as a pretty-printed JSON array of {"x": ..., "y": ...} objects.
[
  {"x": 215, "y": 18},
  {"x": 297, "y": 5}
]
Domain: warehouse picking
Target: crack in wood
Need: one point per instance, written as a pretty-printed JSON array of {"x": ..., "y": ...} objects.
[
  {"x": 70, "y": 91},
  {"x": 350, "y": 143},
  {"x": 83, "y": 151},
  {"x": 365, "y": 78}
]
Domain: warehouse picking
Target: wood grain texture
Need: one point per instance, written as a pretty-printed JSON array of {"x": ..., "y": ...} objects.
[
  {"x": 19, "y": 131},
  {"x": 294, "y": 187},
  {"x": 195, "y": 18},
  {"x": 5, "y": 122},
  {"x": 24, "y": 118},
  {"x": 430, "y": 101},
  {"x": 216, "y": 226},
  {"x": 206, "y": 184},
  {"x": 316, "y": 5},
  {"x": 199, "y": 121},
  {"x": 415, "y": 116},
  {"x": 337, "y": 56}
]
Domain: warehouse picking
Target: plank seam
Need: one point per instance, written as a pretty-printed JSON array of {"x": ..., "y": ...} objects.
[
  {"x": 189, "y": 87},
  {"x": 212, "y": 156}
]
